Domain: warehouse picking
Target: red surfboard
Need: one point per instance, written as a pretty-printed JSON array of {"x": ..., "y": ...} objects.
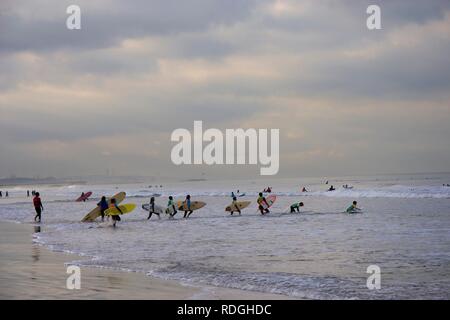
[{"x": 84, "y": 197}]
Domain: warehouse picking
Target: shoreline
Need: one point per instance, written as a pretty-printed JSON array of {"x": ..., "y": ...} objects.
[{"x": 30, "y": 270}]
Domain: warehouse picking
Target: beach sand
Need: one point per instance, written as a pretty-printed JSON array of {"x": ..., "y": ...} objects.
[{"x": 31, "y": 271}]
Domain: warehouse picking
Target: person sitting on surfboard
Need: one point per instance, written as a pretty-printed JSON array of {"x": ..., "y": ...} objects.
[
  {"x": 115, "y": 218},
  {"x": 234, "y": 205},
  {"x": 296, "y": 206},
  {"x": 103, "y": 204},
  {"x": 261, "y": 200},
  {"x": 37, "y": 206},
  {"x": 353, "y": 208},
  {"x": 304, "y": 190},
  {"x": 151, "y": 209},
  {"x": 187, "y": 202},
  {"x": 331, "y": 188},
  {"x": 171, "y": 204}
]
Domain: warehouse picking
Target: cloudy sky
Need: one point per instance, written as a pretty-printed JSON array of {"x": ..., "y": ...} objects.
[{"x": 347, "y": 100}]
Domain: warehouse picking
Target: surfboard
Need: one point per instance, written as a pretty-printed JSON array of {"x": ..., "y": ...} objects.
[
  {"x": 270, "y": 201},
  {"x": 195, "y": 205},
  {"x": 95, "y": 213},
  {"x": 158, "y": 209},
  {"x": 238, "y": 195},
  {"x": 240, "y": 204},
  {"x": 125, "y": 208},
  {"x": 84, "y": 197}
]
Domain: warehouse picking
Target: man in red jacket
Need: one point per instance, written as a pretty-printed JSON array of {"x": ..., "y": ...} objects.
[{"x": 37, "y": 206}]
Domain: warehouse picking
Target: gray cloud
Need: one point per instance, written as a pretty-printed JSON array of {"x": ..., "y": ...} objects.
[{"x": 110, "y": 95}]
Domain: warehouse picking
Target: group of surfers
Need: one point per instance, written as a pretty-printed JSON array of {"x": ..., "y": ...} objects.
[{"x": 263, "y": 207}]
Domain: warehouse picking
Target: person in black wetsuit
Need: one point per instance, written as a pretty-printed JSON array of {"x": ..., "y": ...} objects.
[
  {"x": 103, "y": 204},
  {"x": 151, "y": 209}
]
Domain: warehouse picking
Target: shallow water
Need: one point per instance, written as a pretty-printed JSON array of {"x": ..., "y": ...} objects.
[{"x": 321, "y": 253}]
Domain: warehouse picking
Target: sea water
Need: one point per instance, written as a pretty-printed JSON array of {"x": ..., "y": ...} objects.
[{"x": 320, "y": 253}]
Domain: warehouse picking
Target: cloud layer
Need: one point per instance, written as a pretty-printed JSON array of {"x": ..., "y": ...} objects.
[{"x": 346, "y": 100}]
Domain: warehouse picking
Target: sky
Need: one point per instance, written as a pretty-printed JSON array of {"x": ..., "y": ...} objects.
[{"x": 105, "y": 99}]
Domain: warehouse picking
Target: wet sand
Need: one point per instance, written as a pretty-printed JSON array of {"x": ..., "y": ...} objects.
[{"x": 31, "y": 271}]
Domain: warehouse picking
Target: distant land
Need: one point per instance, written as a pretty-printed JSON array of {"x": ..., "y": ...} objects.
[{"x": 12, "y": 181}]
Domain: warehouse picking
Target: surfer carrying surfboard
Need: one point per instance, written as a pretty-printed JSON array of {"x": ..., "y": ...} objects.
[
  {"x": 187, "y": 203},
  {"x": 151, "y": 209},
  {"x": 171, "y": 207},
  {"x": 235, "y": 207},
  {"x": 261, "y": 200},
  {"x": 115, "y": 218},
  {"x": 103, "y": 205}
]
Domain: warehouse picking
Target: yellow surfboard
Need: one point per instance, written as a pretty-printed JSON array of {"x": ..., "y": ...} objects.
[
  {"x": 125, "y": 208},
  {"x": 95, "y": 213},
  {"x": 195, "y": 205},
  {"x": 240, "y": 204}
]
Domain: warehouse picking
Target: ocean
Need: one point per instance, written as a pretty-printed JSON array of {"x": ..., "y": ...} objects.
[{"x": 320, "y": 253}]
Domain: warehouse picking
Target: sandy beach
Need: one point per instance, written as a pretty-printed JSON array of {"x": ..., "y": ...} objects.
[{"x": 31, "y": 271}]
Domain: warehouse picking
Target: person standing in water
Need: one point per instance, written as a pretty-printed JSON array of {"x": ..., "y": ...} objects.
[
  {"x": 6, "y": 194},
  {"x": 103, "y": 204},
  {"x": 28, "y": 193},
  {"x": 38, "y": 206},
  {"x": 171, "y": 204},
  {"x": 151, "y": 209},
  {"x": 353, "y": 208},
  {"x": 234, "y": 205},
  {"x": 260, "y": 201},
  {"x": 296, "y": 206},
  {"x": 187, "y": 205},
  {"x": 1, "y": 195},
  {"x": 115, "y": 218}
]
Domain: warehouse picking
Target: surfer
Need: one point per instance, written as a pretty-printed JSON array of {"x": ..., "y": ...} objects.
[
  {"x": 171, "y": 204},
  {"x": 331, "y": 188},
  {"x": 235, "y": 206},
  {"x": 103, "y": 204},
  {"x": 296, "y": 206},
  {"x": 260, "y": 201},
  {"x": 187, "y": 202},
  {"x": 115, "y": 218},
  {"x": 304, "y": 190},
  {"x": 38, "y": 206},
  {"x": 151, "y": 209},
  {"x": 353, "y": 208}
]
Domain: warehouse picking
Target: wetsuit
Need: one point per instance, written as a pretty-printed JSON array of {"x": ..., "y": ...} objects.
[
  {"x": 260, "y": 202},
  {"x": 38, "y": 207},
  {"x": 295, "y": 206},
  {"x": 103, "y": 207},
  {"x": 151, "y": 209},
  {"x": 171, "y": 203},
  {"x": 188, "y": 212}
]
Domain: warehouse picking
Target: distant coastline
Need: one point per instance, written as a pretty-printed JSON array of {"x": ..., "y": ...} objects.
[{"x": 15, "y": 181}]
